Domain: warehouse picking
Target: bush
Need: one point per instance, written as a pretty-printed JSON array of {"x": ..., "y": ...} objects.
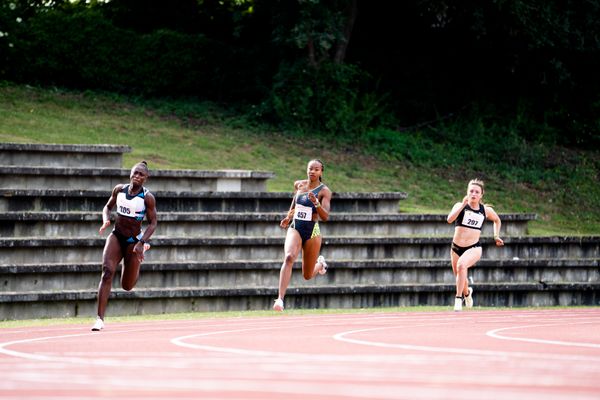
[
  {"x": 333, "y": 99},
  {"x": 83, "y": 50},
  {"x": 479, "y": 142}
]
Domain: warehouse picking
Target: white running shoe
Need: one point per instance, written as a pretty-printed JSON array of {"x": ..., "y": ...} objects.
[
  {"x": 458, "y": 303},
  {"x": 278, "y": 306},
  {"x": 98, "y": 325},
  {"x": 469, "y": 298},
  {"x": 323, "y": 269}
]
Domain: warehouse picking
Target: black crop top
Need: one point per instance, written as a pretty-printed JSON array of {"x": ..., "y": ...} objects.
[{"x": 470, "y": 218}]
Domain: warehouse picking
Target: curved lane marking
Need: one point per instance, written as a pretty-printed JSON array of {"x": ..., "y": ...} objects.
[
  {"x": 342, "y": 336},
  {"x": 494, "y": 334}
]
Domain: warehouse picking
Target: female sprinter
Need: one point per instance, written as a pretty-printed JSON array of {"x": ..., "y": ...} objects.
[
  {"x": 126, "y": 242},
  {"x": 310, "y": 204},
  {"x": 469, "y": 216}
]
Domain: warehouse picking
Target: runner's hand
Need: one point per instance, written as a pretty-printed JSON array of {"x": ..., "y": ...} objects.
[
  {"x": 138, "y": 251},
  {"x": 105, "y": 225}
]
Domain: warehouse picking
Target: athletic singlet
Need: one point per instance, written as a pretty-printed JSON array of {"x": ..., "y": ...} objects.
[
  {"x": 470, "y": 218},
  {"x": 131, "y": 206},
  {"x": 303, "y": 213}
]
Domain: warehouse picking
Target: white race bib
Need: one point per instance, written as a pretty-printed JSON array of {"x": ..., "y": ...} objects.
[
  {"x": 133, "y": 207},
  {"x": 303, "y": 213},
  {"x": 473, "y": 219}
]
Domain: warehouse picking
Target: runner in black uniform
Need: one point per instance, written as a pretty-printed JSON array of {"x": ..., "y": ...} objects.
[
  {"x": 127, "y": 241},
  {"x": 468, "y": 217},
  {"x": 310, "y": 204},
  {"x": 302, "y": 222}
]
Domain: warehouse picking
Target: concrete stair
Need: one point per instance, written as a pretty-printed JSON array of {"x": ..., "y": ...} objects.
[
  {"x": 205, "y": 224},
  {"x": 57, "y": 200},
  {"x": 264, "y": 273},
  {"x": 62, "y": 155},
  {"x": 220, "y": 250},
  {"x": 17, "y": 177},
  {"x": 69, "y": 250},
  {"x": 36, "y": 166}
]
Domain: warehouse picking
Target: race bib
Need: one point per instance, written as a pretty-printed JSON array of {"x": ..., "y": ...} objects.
[
  {"x": 303, "y": 213},
  {"x": 473, "y": 219},
  {"x": 133, "y": 208}
]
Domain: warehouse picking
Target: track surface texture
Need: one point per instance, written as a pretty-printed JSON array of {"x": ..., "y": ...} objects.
[{"x": 482, "y": 354}]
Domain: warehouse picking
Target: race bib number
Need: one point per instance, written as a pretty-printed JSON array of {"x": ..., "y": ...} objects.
[
  {"x": 303, "y": 213},
  {"x": 124, "y": 211},
  {"x": 473, "y": 220}
]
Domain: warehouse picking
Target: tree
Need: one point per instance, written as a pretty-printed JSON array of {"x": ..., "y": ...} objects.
[{"x": 320, "y": 28}]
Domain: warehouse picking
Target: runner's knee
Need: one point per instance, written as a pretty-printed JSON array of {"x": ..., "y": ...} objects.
[
  {"x": 461, "y": 267},
  {"x": 107, "y": 274},
  {"x": 289, "y": 259}
]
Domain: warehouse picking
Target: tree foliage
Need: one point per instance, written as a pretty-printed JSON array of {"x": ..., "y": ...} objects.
[
  {"x": 319, "y": 28},
  {"x": 326, "y": 64}
]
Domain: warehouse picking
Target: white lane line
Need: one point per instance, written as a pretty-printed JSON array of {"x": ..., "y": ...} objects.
[
  {"x": 32, "y": 356},
  {"x": 181, "y": 341},
  {"x": 275, "y": 355},
  {"x": 494, "y": 334},
  {"x": 75, "y": 360},
  {"x": 350, "y": 390},
  {"x": 343, "y": 336}
]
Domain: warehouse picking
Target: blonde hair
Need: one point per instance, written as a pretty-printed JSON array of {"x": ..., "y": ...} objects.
[{"x": 477, "y": 182}]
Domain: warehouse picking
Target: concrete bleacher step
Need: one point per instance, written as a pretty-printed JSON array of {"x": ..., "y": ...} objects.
[
  {"x": 257, "y": 273},
  {"x": 194, "y": 224},
  {"x": 58, "y": 166},
  {"x": 25, "y": 177},
  {"x": 71, "y": 303},
  {"x": 62, "y": 155},
  {"x": 65, "y": 250},
  {"x": 56, "y": 200},
  {"x": 62, "y": 250}
]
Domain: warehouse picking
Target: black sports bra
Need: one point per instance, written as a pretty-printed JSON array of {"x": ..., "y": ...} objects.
[{"x": 470, "y": 218}]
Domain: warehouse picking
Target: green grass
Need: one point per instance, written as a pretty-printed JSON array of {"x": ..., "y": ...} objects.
[
  {"x": 173, "y": 134},
  {"x": 207, "y": 315},
  {"x": 255, "y": 314}
]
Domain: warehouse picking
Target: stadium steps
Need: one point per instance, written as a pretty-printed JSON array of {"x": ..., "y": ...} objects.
[
  {"x": 57, "y": 200},
  {"x": 203, "y": 224},
  {"x": 28, "y": 177},
  {"x": 67, "y": 250},
  {"x": 62, "y": 155},
  {"x": 254, "y": 273},
  {"x": 221, "y": 248},
  {"x": 65, "y": 303}
]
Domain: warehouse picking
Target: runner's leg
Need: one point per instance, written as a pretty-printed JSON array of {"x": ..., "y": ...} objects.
[{"x": 111, "y": 257}]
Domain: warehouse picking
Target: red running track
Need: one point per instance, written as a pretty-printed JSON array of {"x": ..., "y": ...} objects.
[{"x": 513, "y": 354}]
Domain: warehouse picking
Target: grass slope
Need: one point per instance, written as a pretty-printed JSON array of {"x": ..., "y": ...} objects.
[{"x": 191, "y": 135}]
